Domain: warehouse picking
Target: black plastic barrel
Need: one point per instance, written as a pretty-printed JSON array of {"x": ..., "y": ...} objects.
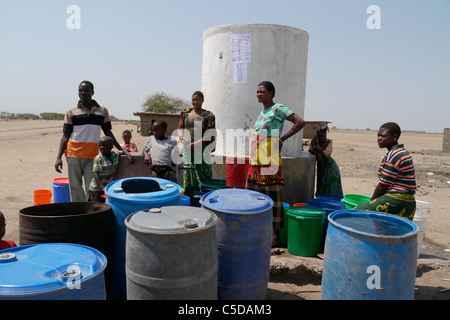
[{"x": 84, "y": 223}]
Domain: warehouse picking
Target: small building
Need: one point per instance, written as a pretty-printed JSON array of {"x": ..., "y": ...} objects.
[
  {"x": 147, "y": 119},
  {"x": 446, "y": 140},
  {"x": 308, "y": 132}
]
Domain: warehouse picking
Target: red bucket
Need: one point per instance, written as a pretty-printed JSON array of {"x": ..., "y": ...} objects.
[{"x": 237, "y": 170}]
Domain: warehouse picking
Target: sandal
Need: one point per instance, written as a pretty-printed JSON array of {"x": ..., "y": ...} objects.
[{"x": 276, "y": 251}]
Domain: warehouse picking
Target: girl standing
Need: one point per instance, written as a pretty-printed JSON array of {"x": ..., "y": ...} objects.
[{"x": 199, "y": 124}]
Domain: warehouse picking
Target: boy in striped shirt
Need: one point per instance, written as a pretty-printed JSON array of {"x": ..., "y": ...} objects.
[
  {"x": 105, "y": 165},
  {"x": 397, "y": 180}
]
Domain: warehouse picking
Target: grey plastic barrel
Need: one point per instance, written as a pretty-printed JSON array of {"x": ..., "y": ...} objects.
[{"x": 171, "y": 254}]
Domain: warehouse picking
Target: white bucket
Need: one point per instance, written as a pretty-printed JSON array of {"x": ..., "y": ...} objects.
[{"x": 420, "y": 219}]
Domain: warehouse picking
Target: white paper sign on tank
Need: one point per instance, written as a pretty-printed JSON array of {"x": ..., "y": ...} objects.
[{"x": 236, "y": 58}]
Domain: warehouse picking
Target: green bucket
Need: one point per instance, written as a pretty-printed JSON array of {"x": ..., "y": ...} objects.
[
  {"x": 305, "y": 230},
  {"x": 353, "y": 200}
]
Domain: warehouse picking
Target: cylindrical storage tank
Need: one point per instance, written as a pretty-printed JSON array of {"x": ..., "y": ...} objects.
[
  {"x": 52, "y": 271},
  {"x": 369, "y": 256},
  {"x": 244, "y": 240},
  {"x": 236, "y": 58},
  {"x": 61, "y": 191},
  {"x": 84, "y": 223},
  {"x": 171, "y": 254},
  {"x": 127, "y": 196}
]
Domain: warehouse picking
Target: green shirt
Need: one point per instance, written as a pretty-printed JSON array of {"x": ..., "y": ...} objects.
[{"x": 105, "y": 169}]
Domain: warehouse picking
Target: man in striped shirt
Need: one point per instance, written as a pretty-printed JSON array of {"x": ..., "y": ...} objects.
[
  {"x": 397, "y": 180},
  {"x": 83, "y": 124}
]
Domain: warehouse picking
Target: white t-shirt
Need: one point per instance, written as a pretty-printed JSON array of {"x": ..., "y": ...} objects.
[{"x": 161, "y": 150}]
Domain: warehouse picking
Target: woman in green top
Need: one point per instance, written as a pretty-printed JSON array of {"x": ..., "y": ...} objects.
[
  {"x": 264, "y": 173},
  {"x": 199, "y": 132}
]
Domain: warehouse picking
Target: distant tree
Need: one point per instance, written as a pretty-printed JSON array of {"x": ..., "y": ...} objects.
[
  {"x": 52, "y": 116},
  {"x": 160, "y": 102},
  {"x": 28, "y": 116}
]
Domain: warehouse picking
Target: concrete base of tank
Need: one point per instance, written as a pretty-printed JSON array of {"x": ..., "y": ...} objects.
[{"x": 298, "y": 173}]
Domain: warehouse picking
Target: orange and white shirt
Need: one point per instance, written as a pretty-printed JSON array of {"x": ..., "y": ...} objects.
[{"x": 85, "y": 128}]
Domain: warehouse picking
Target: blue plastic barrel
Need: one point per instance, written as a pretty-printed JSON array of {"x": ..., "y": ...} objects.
[
  {"x": 61, "y": 192},
  {"x": 244, "y": 240},
  {"x": 329, "y": 206},
  {"x": 52, "y": 271},
  {"x": 369, "y": 256},
  {"x": 127, "y": 196}
]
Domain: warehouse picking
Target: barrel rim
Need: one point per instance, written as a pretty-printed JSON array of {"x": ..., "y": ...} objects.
[
  {"x": 167, "y": 197},
  {"x": 306, "y": 211},
  {"x": 324, "y": 203},
  {"x": 413, "y": 232},
  {"x": 21, "y": 214},
  {"x": 171, "y": 232},
  {"x": 28, "y": 291}
]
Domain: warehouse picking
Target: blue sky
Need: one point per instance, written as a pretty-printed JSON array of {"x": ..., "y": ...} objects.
[{"x": 357, "y": 78}]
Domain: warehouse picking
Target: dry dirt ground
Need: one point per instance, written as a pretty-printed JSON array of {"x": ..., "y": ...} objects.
[{"x": 30, "y": 149}]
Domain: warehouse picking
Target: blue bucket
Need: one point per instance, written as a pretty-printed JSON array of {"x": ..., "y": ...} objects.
[
  {"x": 329, "y": 206},
  {"x": 61, "y": 191},
  {"x": 52, "y": 271},
  {"x": 127, "y": 196},
  {"x": 369, "y": 256},
  {"x": 244, "y": 236}
]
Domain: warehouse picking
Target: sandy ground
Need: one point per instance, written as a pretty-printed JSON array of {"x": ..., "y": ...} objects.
[{"x": 30, "y": 148}]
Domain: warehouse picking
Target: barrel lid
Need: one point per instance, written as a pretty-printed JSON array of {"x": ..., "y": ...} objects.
[
  {"x": 143, "y": 189},
  {"x": 171, "y": 220},
  {"x": 306, "y": 211},
  {"x": 373, "y": 223},
  {"x": 62, "y": 181},
  {"x": 241, "y": 201},
  {"x": 40, "y": 268}
]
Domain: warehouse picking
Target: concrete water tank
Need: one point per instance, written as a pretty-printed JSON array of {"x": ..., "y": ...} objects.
[{"x": 236, "y": 58}]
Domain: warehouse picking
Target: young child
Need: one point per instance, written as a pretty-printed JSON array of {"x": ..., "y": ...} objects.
[
  {"x": 105, "y": 165},
  {"x": 158, "y": 152},
  {"x": 397, "y": 180},
  {"x": 128, "y": 145},
  {"x": 4, "y": 244},
  {"x": 328, "y": 174}
]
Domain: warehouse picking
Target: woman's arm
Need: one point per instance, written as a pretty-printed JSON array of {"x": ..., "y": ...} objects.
[
  {"x": 379, "y": 191},
  {"x": 298, "y": 122}
]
